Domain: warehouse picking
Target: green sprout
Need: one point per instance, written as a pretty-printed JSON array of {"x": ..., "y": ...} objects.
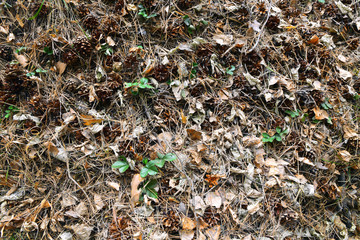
[
  {"x": 10, "y": 110},
  {"x": 48, "y": 51},
  {"x": 293, "y": 114},
  {"x": 278, "y": 136},
  {"x": 38, "y": 70},
  {"x": 326, "y": 105},
  {"x": 190, "y": 27},
  {"x": 143, "y": 13},
  {"x": 141, "y": 84},
  {"x": 230, "y": 70}
]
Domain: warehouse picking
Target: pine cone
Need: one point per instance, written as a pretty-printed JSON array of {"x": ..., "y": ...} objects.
[
  {"x": 261, "y": 8},
  {"x": 273, "y": 22},
  {"x": 91, "y": 22},
  {"x": 353, "y": 44},
  {"x": 5, "y": 52},
  {"x": 211, "y": 217},
  {"x": 171, "y": 221},
  {"x": 83, "y": 10},
  {"x": 83, "y": 46},
  {"x": 70, "y": 57},
  {"x": 34, "y": 7},
  {"x": 109, "y": 25},
  {"x": 119, "y": 5},
  {"x": 114, "y": 80},
  {"x": 13, "y": 83}
]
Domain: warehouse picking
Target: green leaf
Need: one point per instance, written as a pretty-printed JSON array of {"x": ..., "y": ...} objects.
[
  {"x": 30, "y": 74},
  {"x": 265, "y": 135},
  {"x": 356, "y": 96},
  {"x": 278, "y": 138},
  {"x": 160, "y": 155},
  {"x": 121, "y": 165},
  {"x": 48, "y": 51},
  {"x": 170, "y": 157},
  {"x": 151, "y": 193},
  {"x": 329, "y": 120},
  {"x": 129, "y": 85},
  {"x": 278, "y": 129},
  {"x": 230, "y": 70},
  {"x": 20, "y": 49},
  {"x": 321, "y": 1},
  {"x": 151, "y": 183},
  {"x": 187, "y": 20},
  {"x": 158, "y": 162},
  {"x": 39, "y": 70},
  {"x": 144, "y": 172},
  {"x": 144, "y": 81}
]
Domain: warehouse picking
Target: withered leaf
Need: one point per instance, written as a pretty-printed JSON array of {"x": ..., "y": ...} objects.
[{"x": 193, "y": 134}]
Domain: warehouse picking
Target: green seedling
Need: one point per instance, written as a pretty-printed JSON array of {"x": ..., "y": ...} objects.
[
  {"x": 151, "y": 167},
  {"x": 122, "y": 164},
  {"x": 326, "y": 105},
  {"x": 108, "y": 51},
  {"x": 293, "y": 114},
  {"x": 48, "y": 51},
  {"x": 149, "y": 190},
  {"x": 230, "y": 70},
  {"x": 193, "y": 70},
  {"x": 20, "y": 49},
  {"x": 357, "y": 96},
  {"x": 10, "y": 111},
  {"x": 143, "y": 13},
  {"x": 278, "y": 136},
  {"x": 141, "y": 84},
  {"x": 190, "y": 27},
  {"x": 38, "y": 11},
  {"x": 38, "y": 70}
]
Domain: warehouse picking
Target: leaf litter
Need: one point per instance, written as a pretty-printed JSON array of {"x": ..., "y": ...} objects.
[{"x": 258, "y": 102}]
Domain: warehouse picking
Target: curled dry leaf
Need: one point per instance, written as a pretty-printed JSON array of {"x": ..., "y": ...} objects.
[
  {"x": 344, "y": 155},
  {"x": 213, "y": 233},
  {"x": 22, "y": 59},
  {"x": 187, "y": 223},
  {"x": 135, "y": 192},
  {"x": 90, "y": 120},
  {"x": 187, "y": 234},
  {"x": 60, "y": 67},
  {"x": 193, "y": 134},
  {"x": 314, "y": 40},
  {"x": 320, "y": 114}
]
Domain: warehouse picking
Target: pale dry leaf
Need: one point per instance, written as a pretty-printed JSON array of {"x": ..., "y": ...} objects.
[
  {"x": 350, "y": 132},
  {"x": 135, "y": 192},
  {"x": 320, "y": 114},
  {"x": 92, "y": 94},
  {"x": 344, "y": 74},
  {"x": 344, "y": 155},
  {"x": 4, "y": 30},
  {"x": 223, "y": 39},
  {"x": 67, "y": 201},
  {"x": 213, "y": 199},
  {"x": 113, "y": 185},
  {"x": 199, "y": 205},
  {"x": 187, "y": 234},
  {"x": 99, "y": 203},
  {"x": 253, "y": 208},
  {"x": 82, "y": 231},
  {"x": 81, "y": 209},
  {"x": 213, "y": 233},
  {"x": 187, "y": 223},
  {"x": 10, "y": 38},
  {"x": 60, "y": 67},
  {"x": 110, "y": 41},
  {"x": 305, "y": 160},
  {"x": 21, "y": 59}
]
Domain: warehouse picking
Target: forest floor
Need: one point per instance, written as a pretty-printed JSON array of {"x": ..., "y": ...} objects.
[{"x": 179, "y": 119}]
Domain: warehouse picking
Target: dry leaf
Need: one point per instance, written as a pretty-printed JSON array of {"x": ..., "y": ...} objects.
[
  {"x": 213, "y": 199},
  {"x": 83, "y": 231},
  {"x": 183, "y": 117},
  {"x": 4, "y": 30},
  {"x": 349, "y": 132},
  {"x": 320, "y": 114},
  {"x": 186, "y": 234},
  {"x": 92, "y": 94},
  {"x": 52, "y": 149},
  {"x": 19, "y": 20},
  {"x": 193, "y": 134},
  {"x": 344, "y": 155},
  {"x": 314, "y": 40},
  {"x": 213, "y": 233},
  {"x": 10, "y": 38},
  {"x": 60, "y": 67},
  {"x": 223, "y": 39},
  {"x": 135, "y": 192},
  {"x": 187, "y": 223},
  {"x": 110, "y": 41},
  {"x": 99, "y": 204},
  {"x": 21, "y": 59},
  {"x": 113, "y": 185},
  {"x": 90, "y": 120}
]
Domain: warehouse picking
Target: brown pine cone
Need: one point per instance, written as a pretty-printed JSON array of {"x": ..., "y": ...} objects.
[
  {"x": 211, "y": 217},
  {"x": 91, "y": 22},
  {"x": 83, "y": 46},
  {"x": 83, "y": 10},
  {"x": 353, "y": 44},
  {"x": 171, "y": 221},
  {"x": 70, "y": 57},
  {"x": 5, "y": 52},
  {"x": 273, "y": 22},
  {"x": 34, "y": 7}
]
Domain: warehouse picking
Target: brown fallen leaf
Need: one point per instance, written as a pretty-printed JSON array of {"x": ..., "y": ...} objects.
[
  {"x": 344, "y": 155},
  {"x": 314, "y": 40},
  {"x": 320, "y": 114},
  {"x": 193, "y": 134},
  {"x": 89, "y": 120},
  {"x": 53, "y": 150},
  {"x": 187, "y": 223},
  {"x": 135, "y": 192},
  {"x": 22, "y": 59},
  {"x": 213, "y": 233},
  {"x": 60, "y": 66}
]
